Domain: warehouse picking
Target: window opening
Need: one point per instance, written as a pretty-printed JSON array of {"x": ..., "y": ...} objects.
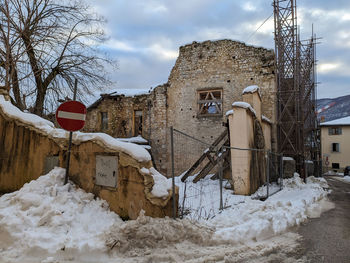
[
  {"x": 104, "y": 121},
  {"x": 137, "y": 122},
  {"x": 335, "y": 147},
  {"x": 335, "y": 131},
  {"x": 210, "y": 102}
]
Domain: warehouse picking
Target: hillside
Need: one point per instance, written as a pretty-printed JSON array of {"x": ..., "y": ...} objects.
[{"x": 331, "y": 109}]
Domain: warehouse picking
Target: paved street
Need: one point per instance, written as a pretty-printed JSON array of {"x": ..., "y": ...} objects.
[{"x": 327, "y": 239}]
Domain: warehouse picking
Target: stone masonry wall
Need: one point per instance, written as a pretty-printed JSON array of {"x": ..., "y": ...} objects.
[
  {"x": 157, "y": 126},
  {"x": 224, "y": 64},
  {"x": 120, "y": 110}
]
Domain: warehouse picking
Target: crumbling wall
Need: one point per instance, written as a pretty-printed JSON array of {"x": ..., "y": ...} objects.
[
  {"x": 227, "y": 65},
  {"x": 120, "y": 110},
  {"x": 157, "y": 126}
]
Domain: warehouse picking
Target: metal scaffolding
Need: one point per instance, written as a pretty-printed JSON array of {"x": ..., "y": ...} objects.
[{"x": 297, "y": 127}]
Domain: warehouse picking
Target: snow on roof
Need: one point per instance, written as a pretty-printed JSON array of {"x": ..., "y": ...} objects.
[
  {"x": 286, "y": 158},
  {"x": 245, "y": 105},
  {"x": 264, "y": 118},
  {"x": 131, "y": 92},
  {"x": 136, "y": 151},
  {"x": 341, "y": 121}
]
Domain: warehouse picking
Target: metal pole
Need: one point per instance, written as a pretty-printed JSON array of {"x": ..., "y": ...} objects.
[
  {"x": 268, "y": 174},
  {"x": 281, "y": 171},
  {"x": 70, "y": 137},
  {"x": 183, "y": 201},
  {"x": 220, "y": 183},
  {"x": 172, "y": 168}
]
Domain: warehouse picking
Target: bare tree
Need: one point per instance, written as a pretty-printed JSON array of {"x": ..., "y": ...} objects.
[{"x": 45, "y": 45}]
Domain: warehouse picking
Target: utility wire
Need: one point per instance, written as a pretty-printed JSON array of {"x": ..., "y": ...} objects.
[{"x": 259, "y": 27}]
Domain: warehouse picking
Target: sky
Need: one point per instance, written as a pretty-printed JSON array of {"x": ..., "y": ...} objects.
[{"x": 145, "y": 35}]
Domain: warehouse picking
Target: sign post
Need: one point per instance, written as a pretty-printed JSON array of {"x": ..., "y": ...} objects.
[{"x": 71, "y": 117}]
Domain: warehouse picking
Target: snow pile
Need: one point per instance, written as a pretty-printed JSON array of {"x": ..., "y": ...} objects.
[
  {"x": 344, "y": 179},
  {"x": 49, "y": 215},
  {"x": 72, "y": 226},
  {"x": 136, "y": 151},
  {"x": 149, "y": 233},
  {"x": 254, "y": 220},
  {"x": 245, "y": 105}
]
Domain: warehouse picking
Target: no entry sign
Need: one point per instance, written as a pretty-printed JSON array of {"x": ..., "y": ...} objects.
[{"x": 71, "y": 115}]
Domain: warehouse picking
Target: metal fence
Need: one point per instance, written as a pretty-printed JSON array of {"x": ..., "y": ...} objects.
[{"x": 205, "y": 198}]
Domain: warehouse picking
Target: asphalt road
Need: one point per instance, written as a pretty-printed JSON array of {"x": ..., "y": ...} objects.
[{"x": 327, "y": 238}]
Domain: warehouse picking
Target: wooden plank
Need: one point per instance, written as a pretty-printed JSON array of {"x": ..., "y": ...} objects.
[
  {"x": 204, "y": 155},
  {"x": 209, "y": 166}
]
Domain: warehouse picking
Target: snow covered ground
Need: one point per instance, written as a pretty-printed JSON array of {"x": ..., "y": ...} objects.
[{"x": 48, "y": 222}]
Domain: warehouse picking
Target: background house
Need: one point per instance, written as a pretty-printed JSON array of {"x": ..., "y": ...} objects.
[{"x": 335, "y": 144}]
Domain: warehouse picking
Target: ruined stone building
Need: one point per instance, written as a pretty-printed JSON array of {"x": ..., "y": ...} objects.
[{"x": 206, "y": 79}]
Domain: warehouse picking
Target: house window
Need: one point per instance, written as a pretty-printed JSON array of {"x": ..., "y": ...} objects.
[
  {"x": 137, "y": 122},
  {"x": 104, "y": 121},
  {"x": 335, "y": 166},
  {"x": 335, "y": 147},
  {"x": 334, "y": 131},
  {"x": 209, "y": 102}
]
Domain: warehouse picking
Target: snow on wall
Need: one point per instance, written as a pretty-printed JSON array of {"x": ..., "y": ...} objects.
[
  {"x": 251, "y": 89},
  {"x": 229, "y": 112},
  {"x": 245, "y": 105},
  {"x": 264, "y": 118}
]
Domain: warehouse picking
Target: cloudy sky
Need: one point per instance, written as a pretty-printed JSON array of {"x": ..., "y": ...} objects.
[{"x": 145, "y": 35}]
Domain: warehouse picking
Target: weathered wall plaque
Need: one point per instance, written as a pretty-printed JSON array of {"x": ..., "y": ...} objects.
[{"x": 106, "y": 170}]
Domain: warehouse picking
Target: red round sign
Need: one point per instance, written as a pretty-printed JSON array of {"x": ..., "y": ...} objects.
[{"x": 71, "y": 115}]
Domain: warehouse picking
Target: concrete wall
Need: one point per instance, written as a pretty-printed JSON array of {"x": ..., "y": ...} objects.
[
  {"x": 341, "y": 157},
  {"x": 24, "y": 149}
]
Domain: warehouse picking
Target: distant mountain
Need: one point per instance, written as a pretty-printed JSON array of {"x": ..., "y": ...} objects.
[{"x": 331, "y": 109}]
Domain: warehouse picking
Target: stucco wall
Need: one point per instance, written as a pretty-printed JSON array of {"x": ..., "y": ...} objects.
[
  {"x": 341, "y": 157},
  {"x": 24, "y": 148},
  {"x": 241, "y": 136}
]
